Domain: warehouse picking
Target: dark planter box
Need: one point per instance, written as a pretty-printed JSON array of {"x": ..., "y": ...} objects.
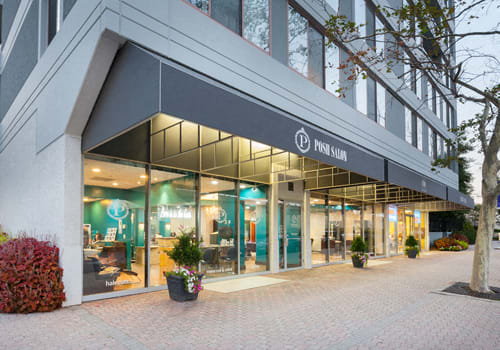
[
  {"x": 177, "y": 289},
  {"x": 412, "y": 253},
  {"x": 357, "y": 263}
]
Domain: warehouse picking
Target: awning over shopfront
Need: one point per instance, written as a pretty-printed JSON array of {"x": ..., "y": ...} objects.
[{"x": 142, "y": 85}]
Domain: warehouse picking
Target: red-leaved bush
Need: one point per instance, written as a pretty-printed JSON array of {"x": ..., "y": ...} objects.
[{"x": 30, "y": 276}]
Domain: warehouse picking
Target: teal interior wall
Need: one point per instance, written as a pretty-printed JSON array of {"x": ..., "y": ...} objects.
[{"x": 96, "y": 214}]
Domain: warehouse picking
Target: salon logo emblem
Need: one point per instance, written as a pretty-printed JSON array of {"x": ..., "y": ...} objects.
[
  {"x": 302, "y": 141},
  {"x": 118, "y": 209},
  {"x": 222, "y": 217}
]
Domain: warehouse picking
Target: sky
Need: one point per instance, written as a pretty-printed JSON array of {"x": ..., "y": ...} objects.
[{"x": 489, "y": 19}]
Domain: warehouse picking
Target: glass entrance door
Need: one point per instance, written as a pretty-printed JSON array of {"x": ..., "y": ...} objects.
[{"x": 290, "y": 235}]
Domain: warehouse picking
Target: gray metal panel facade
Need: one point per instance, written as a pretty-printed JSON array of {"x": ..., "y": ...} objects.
[
  {"x": 407, "y": 178},
  {"x": 9, "y": 10},
  {"x": 67, "y": 6},
  {"x": 21, "y": 61},
  {"x": 279, "y": 30},
  {"x": 130, "y": 95},
  {"x": 191, "y": 97}
]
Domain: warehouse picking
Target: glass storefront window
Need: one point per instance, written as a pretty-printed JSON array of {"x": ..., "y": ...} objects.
[
  {"x": 297, "y": 41},
  {"x": 393, "y": 228},
  {"x": 173, "y": 213},
  {"x": 401, "y": 230},
  {"x": 113, "y": 242},
  {"x": 352, "y": 217},
  {"x": 254, "y": 228},
  {"x": 379, "y": 229},
  {"x": 319, "y": 231},
  {"x": 218, "y": 227},
  {"x": 336, "y": 231},
  {"x": 368, "y": 228},
  {"x": 290, "y": 235},
  {"x": 256, "y": 22}
]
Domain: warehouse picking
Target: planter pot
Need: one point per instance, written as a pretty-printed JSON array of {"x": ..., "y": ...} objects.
[
  {"x": 412, "y": 253},
  {"x": 357, "y": 263},
  {"x": 177, "y": 289}
]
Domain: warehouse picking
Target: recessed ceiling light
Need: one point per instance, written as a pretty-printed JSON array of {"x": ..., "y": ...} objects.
[
  {"x": 247, "y": 207},
  {"x": 215, "y": 182},
  {"x": 155, "y": 179},
  {"x": 96, "y": 170},
  {"x": 316, "y": 200},
  {"x": 243, "y": 186},
  {"x": 143, "y": 176},
  {"x": 115, "y": 183},
  {"x": 257, "y": 202},
  {"x": 85, "y": 199},
  {"x": 138, "y": 182}
]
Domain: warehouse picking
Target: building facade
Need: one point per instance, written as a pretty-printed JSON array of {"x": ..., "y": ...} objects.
[{"x": 125, "y": 123}]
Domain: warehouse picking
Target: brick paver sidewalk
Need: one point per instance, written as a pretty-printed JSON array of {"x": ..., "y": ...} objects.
[{"x": 388, "y": 305}]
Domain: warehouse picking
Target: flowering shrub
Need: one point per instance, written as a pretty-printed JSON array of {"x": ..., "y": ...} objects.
[
  {"x": 4, "y": 237},
  {"x": 191, "y": 280},
  {"x": 445, "y": 242},
  {"x": 30, "y": 276},
  {"x": 463, "y": 244},
  {"x": 453, "y": 248},
  {"x": 459, "y": 237}
]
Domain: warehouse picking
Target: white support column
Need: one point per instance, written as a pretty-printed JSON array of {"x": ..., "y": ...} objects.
[
  {"x": 306, "y": 220},
  {"x": 274, "y": 229}
]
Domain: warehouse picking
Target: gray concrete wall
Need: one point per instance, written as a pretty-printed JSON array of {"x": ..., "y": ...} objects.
[{"x": 21, "y": 61}]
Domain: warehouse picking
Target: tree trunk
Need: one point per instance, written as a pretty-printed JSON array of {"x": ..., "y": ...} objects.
[{"x": 486, "y": 226}]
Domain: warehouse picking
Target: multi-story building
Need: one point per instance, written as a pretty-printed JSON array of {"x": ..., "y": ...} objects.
[{"x": 124, "y": 123}]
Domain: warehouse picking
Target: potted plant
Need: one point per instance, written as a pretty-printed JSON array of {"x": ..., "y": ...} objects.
[
  {"x": 358, "y": 253},
  {"x": 184, "y": 283},
  {"x": 411, "y": 247}
]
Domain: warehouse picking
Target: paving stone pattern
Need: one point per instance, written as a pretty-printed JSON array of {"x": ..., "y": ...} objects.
[{"x": 385, "y": 306}]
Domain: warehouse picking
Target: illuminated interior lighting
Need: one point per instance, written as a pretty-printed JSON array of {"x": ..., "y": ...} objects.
[
  {"x": 85, "y": 199},
  {"x": 115, "y": 184},
  {"x": 96, "y": 170},
  {"x": 257, "y": 202},
  {"x": 214, "y": 182},
  {"x": 143, "y": 177}
]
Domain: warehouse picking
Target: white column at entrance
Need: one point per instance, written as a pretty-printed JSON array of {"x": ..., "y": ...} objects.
[
  {"x": 306, "y": 219},
  {"x": 274, "y": 227}
]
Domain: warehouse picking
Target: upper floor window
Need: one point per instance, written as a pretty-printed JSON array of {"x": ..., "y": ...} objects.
[
  {"x": 305, "y": 47},
  {"x": 332, "y": 72},
  {"x": 249, "y": 18},
  {"x": 380, "y": 104},
  {"x": 361, "y": 94},
  {"x": 256, "y": 22},
  {"x": 420, "y": 134},
  {"x": 0, "y": 25},
  {"x": 432, "y": 144},
  {"x": 360, "y": 16},
  {"x": 202, "y": 5},
  {"x": 53, "y": 19},
  {"x": 408, "y": 126},
  {"x": 228, "y": 13}
]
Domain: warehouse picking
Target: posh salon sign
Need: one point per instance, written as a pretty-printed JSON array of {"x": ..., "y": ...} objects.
[{"x": 306, "y": 144}]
